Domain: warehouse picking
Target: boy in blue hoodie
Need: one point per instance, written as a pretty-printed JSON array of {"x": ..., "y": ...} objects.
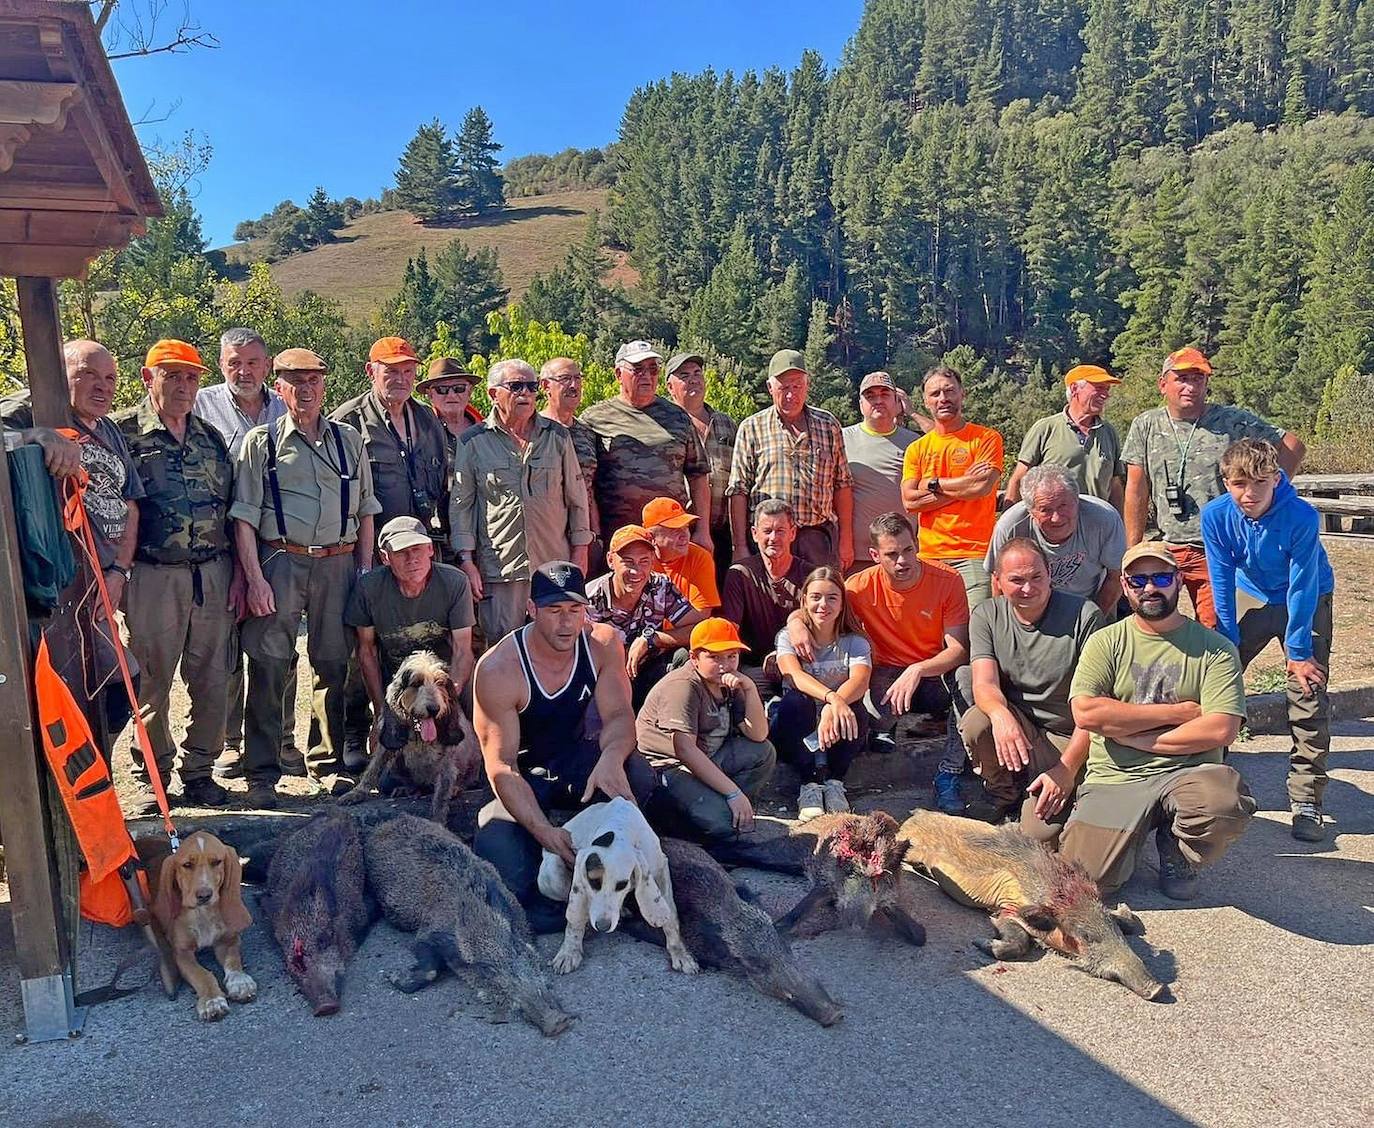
[{"x": 1271, "y": 579}]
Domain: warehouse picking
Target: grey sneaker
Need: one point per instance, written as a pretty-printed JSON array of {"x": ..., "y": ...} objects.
[
  {"x": 810, "y": 802},
  {"x": 836, "y": 803},
  {"x": 1177, "y": 875},
  {"x": 1308, "y": 822}
]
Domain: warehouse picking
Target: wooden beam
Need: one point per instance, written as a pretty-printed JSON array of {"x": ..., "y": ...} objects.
[
  {"x": 49, "y": 259},
  {"x": 1343, "y": 506},
  {"x": 1334, "y": 483},
  {"x": 74, "y": 229},
  {"x": 43, "y": 352}
]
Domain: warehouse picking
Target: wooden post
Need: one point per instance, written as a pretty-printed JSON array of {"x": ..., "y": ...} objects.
[
  {"x": 43, "y": 351},
  {"x": 35, "y": 890}
]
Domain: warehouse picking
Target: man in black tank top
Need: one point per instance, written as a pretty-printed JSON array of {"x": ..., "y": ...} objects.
[{"x": 551, "y": 707}]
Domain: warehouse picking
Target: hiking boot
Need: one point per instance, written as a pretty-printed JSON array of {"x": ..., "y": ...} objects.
[
  {"x": 259, "y": 797},
  {"x": 290, "y": 761},
  {"x": 1308, "y": 822},
  {"x": 836, "y": 802},
  {"x": 332, "y": 783},
  {"x": 948, "y": 797},
  {"x": 1177, "y": 875},
  {"x": 203, "y": 793},
  {"x": 989, "y": 809},
  {"x": 354, "y": 755},
  {"x": 882, "y": 743},
  {"x": 229, "y": 763},
  {"x": 810, "y": 802}
]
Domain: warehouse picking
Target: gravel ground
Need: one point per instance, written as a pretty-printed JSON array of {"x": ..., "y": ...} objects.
[{"x": 1270, "y": 1023}]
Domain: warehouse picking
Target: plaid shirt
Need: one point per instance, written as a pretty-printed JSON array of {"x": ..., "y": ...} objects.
[
  {"x": 803, "y": 469},
  {"x": 660, "y": 602}
]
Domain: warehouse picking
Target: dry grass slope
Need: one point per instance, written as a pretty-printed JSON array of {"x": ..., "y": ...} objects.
[{"x": 364, "y": 268}]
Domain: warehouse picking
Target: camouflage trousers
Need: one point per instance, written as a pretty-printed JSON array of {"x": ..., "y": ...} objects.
[
  {"x": 1206, "y": 808},
  {"x": 174, "y": 619}
]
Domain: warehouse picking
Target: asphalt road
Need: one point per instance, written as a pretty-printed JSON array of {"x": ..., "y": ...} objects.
[{"x": 1271, "y": 1023}]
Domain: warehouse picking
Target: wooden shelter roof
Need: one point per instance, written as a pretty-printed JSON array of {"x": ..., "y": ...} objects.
[{"x": 73, "y": 181}]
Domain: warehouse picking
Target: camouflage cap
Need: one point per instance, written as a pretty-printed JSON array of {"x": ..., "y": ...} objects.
[
  {"x": 786, "y": 360},
  {"x": 877, "y": 380},
  {"x": 298, "y": 360}
]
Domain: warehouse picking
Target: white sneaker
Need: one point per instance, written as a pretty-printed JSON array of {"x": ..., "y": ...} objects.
[
  {"x": 810, "y": 802},
  {"x": 836, "y": 802}
]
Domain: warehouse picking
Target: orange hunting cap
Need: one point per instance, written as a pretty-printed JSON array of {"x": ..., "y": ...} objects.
[
  {"x": 629, "y": 534},
  {"x": 716, "y": 635},
  {"x": 168, "y": 351},
  {"x": 392, "y": 350},
  {"x": 666, "y": 513},
  {"x": 1091, "y": 373},
  {"x": 1186, "y": 360}
]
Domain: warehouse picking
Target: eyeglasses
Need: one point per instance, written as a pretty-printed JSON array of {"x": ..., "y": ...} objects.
[
  {"x": 520, "y": 386},
  {"x": 1160, "y": 580},
  {"x": 565, "y": 381},
  {"x": 448, "y": 389}
]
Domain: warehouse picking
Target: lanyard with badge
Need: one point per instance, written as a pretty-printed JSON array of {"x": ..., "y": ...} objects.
[{"x": 1173, "y": 491}]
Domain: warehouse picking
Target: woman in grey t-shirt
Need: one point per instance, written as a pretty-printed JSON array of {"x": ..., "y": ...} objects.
[{"x": 818, "y": 725}]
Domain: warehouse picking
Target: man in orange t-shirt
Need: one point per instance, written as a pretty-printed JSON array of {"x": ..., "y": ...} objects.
[
  {"x": 691, "y": 568},
  {"x": 915, "y": 614},
  {"x": 949, "y": 480}
]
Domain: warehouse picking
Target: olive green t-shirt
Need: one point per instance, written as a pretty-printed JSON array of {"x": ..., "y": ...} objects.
[
  {"x": 1092, "y": 460},
  {"x": 1191, "y": 663}
]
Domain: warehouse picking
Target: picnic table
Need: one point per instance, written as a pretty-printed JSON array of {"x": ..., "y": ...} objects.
[{"x": 1340, "y": 498}]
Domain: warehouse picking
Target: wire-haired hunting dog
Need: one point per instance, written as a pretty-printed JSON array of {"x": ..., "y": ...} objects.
[{"x": 425, "y": 728}]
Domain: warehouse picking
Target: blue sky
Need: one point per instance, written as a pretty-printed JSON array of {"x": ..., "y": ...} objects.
[{"x": 303, "y": 93}]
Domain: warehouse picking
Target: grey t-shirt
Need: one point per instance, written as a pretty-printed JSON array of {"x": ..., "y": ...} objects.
[
  {"x": 834, "y": 663},
  {"x": 1037, "y": 662},
  {"x": 405, "y": 625},
  {"x": 114, "y": 479},
  {"x": 875, "y": 461},
  {"x": 1158, "y": 444},
  {"x": 1080, "y": 564}
]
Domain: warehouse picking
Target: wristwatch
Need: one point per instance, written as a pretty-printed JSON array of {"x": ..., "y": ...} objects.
[
  {"x": 933, "y": 486},
  {"x": 650, "y": 635},
  {"x": 127, "y": 573}
]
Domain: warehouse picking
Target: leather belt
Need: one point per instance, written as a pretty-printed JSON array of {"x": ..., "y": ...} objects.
[{"x": 311, "y": 550}]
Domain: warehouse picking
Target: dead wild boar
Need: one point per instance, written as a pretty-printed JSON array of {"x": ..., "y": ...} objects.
[
  {"x": 1035, "y": 896},
  {"x": 855, "y": 869},
  {"x": 463, "y": 916},
  {"x": 318, "y": 906},
  {"x": 723, "y": 930}
]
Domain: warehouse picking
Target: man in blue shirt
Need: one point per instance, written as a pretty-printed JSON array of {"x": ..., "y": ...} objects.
[{"x": 1271, "y": 579}]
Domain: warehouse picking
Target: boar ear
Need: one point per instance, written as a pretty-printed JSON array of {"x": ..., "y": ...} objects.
[
  {"x": 1038, "y": 918},
  {"x": 1127, "y": 921},
  {"x": 604, "y": 839}
]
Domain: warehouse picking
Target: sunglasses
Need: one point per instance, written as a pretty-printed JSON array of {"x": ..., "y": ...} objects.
[
  {"x": 520, "y": 386},
  {"x": 449, "y": 389},
  {"x": 1160, "y": 580}
]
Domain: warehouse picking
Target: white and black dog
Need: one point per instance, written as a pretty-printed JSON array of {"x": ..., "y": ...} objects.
[
  {"x": 425, "y": 728},
  {"x": 617, "y": 852}
]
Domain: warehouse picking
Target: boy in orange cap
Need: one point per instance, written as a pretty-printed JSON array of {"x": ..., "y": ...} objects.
[
  {"x": 688, "y": 565},
  {"x": 705, "y": 728}
]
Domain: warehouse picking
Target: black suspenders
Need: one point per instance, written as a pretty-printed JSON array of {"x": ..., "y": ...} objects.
[{"x": 275, "y": 487}]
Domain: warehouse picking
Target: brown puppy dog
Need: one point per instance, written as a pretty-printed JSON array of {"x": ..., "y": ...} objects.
[
  {"x": 199, "y": 904},
  {"x": 425, "y": 727}
]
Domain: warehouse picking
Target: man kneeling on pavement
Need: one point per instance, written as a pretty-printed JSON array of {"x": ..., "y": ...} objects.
[{"x": 1162, "y": 697}]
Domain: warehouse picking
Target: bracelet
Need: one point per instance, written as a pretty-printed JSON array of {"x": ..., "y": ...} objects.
[{"x": 733, "y": 795}]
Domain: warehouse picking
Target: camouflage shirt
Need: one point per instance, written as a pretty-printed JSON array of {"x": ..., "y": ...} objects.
[
  {"x": 717, "y": 436},
  {"x": 1174, "y": 451},
  {"x": 187, "y": 485},
  {"x": 642, "y": 453}
]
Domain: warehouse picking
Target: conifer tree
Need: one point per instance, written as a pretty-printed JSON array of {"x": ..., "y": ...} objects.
[
  {"x": 426, "y": 181},
  {"x": 480, "y": 188}
]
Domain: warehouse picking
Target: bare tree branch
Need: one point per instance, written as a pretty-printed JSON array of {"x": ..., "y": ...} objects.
[{"x": 135, "y": 30}]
